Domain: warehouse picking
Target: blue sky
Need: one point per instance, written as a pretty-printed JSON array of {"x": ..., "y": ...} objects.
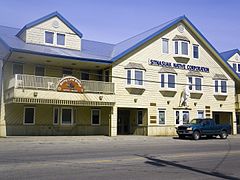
[{"x": 115, "y": 20}]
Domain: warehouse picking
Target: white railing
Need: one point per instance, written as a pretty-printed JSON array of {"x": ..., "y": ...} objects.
[{"x": 50, "y": 83}]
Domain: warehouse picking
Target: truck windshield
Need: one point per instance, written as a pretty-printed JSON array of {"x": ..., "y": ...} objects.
[{"x": 196, "y": 121}]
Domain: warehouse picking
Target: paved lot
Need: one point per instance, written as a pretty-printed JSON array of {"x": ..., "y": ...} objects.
[{"x": 122, "y": 157}]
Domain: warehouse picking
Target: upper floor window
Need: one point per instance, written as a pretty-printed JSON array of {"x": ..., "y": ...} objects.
[
  {"x": 181, "y": 47},
  {"x": 195, "y": 51},
  {"x": 49, "y": 36},
  {"x": 67, "y": 72},
  {"x": 85, "y": 75},
  {"x": 220, "y": 86},
  {"x": 167, "y": 80},
  {"x": 195, "y": 83},
  {"x": 60, "y": 39},
  {"x": 17, "y": 68},
  {"x": 165, "y": 46},
  {"x": 39, "y": 71},
  {"x": 135, "y": 77},
  {"x": 236, "y": 67}
]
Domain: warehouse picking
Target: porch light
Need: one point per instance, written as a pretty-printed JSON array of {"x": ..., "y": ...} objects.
[
  {"x": 168, "y": 102},
  {"x": 135, "y": 100},
  {"x": 35, "y": 94},
  {"x": 221, "y": 105},
  {"x": 195, "y": 104}
]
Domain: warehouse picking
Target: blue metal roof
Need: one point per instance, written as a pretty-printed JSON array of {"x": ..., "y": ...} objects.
[
  {"x": 93, "y": 50},
  {"x": 228, "y": 54},
  {"x": 47, "y": 17}
]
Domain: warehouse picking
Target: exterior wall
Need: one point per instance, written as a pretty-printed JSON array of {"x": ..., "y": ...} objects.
[
  {"x": 44, "y": 121},
  {"x": 36, "y": 34},
  {"x": 153, "y": 50}
]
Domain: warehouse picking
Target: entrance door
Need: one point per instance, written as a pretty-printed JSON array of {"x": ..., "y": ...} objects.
[{"x": 123, "y": 126}]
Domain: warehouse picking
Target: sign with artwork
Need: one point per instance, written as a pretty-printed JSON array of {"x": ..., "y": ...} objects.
[
  {"x": 70, "y": 84},
  {"x": 154, "y": 62}
]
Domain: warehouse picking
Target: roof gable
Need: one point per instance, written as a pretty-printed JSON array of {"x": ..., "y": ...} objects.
[
  {"x": 47, "y": 17},
  {"x": 228, "y": 54}
]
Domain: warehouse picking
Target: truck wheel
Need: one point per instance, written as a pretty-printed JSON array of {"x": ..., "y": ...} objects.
[
  {"x": 223, "y": 135},
  {"x": 196, "y": 135}
]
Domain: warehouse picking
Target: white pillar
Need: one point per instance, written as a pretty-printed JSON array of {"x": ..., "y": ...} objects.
[
  {"x": 113, "y": 122},
  {"x": 234, "y": 123},
  {"x": 2, "y": 111}
]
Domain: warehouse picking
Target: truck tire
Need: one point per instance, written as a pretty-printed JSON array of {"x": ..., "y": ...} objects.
[
  {"x": 223, "y": 134},
  {"x": 196, "y": 135}
]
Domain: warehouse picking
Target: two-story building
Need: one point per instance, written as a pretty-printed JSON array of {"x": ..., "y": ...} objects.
[
  {"x": 232, "y": 57},
  {"x": 54, "y": 82}
]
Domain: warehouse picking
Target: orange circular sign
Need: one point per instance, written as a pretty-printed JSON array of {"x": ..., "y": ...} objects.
[{"x": 70, "y": 84}]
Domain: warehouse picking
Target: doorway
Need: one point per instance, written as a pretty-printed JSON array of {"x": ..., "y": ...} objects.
[{"x": 123, "y": 122}]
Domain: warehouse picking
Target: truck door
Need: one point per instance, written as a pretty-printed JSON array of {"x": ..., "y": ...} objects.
[{"x": 206, "y": 127}]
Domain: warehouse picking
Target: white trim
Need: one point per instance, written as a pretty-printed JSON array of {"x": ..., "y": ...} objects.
[
  {"x": 138, "y": 117},
  {"x": 220, "y": 87},
  {"x": 99, "y": 119},
  {"x": 26, "y": 107},
  {"x": 166, "y": 85},
  {"x": 167, "y": 45},
  {"x": 71, "y": 116},
  {"x": 133, "y": 78},
  {"x": 44, "y": 40},
  {"x": 163, "y": 110},
  {"x": 198, "y": 51},
  {"x": 193, "y": 84},
  {"x": 54, "y": 108}
]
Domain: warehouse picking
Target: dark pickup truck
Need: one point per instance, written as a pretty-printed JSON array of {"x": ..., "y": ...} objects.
[{"x": 203, "y": 127}]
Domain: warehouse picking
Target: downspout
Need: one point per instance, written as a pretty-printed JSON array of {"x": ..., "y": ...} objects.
[{"x": 2, "y": 110}]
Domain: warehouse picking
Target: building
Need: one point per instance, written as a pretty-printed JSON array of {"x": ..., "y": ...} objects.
[
  {"x": 55, "y": 82},
  {"x": 232, "y": 57}
]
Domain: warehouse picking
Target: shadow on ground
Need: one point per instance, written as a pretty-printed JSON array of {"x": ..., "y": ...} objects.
[{"x": 162, "y": 163}]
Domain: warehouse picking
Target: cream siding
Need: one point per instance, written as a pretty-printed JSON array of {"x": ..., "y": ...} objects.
[
  {"x": 36, "y": 34},
  {"x": 153, "y": 50}
]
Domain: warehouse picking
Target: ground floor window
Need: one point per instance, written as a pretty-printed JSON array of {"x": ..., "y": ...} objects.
[
  {"x": 29, "y": 115},
  {"x": 67, "y": 116},
  {"x": 200, "y": 114},
  {"x": 55, "y": 115},
  {"x": 139, "y": 117},
  {"x": 181, "y": 117},
  {"x": 161, "y": 116},
  {"x": 95, "y": 116}
]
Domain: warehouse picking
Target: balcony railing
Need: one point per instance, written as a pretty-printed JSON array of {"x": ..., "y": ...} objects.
[{"x": 50, "y": 83}]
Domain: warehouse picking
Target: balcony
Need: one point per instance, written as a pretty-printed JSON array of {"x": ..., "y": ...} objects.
[
  {"x": 50, "y": 83},
  {"x": 24, "y": 88}
]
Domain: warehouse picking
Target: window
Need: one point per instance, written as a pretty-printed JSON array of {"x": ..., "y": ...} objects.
[
  {"x": 165, "y": 46},
  {"x": 60, "y": 39},
  {"x": 195, "y": 51},
  {"x": 55, "y": 115},
  {"x": 195, "y": 83},
  {"x": 235, "y": 66},
  {"x": 85, "y": 75},
  {"x": 17, "y": 68},
  {"x": 106, "y": 75},
  {"x": 67, "y": 116},
  {"x": 138, "y": 77},
  {"x": 184, "y": 48},
  {"x": 49, "y": 37},
  {"x": 95, "y": 116},
  {"x": 220, "y": 86},
  {"x": 181, "y": 117},
  {"x": 181, "y": 47},
  {"x": 29, "y": 115},
  {"x": 135, "y": 77},
  {"x": 238, "y": 67},
  {"x": 67, "y": 72},
  {"x": 139, "y": 117},
  {"x": 200, "y": 114},
  {"x": 39, "y": 71},
  {"x": 167, "y": 80},
  {"x": 161, "y": 117}
]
